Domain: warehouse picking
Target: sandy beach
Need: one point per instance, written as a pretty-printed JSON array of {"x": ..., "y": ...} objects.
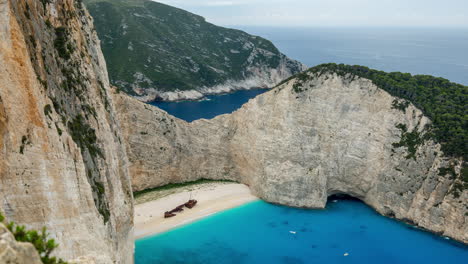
[{"x": 212, "y": 198}]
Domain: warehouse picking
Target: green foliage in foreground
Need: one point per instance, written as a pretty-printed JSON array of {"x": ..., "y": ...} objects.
[
  {"x": 176, "y": 185},
  {"x": 40, "y": 241}
]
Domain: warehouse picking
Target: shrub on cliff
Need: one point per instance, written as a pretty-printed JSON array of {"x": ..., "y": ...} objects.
[{"x": 40, "y": 241}]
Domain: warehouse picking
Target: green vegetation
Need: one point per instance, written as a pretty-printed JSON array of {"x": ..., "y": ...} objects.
[
  {"x": 33, "y": 41},
  {"x": 462, "y": 183},
  {"x": 411, "y": 140},
  {"x": 69, "y": 87},
  {"x": 84, "y": 135},
  {"x": 47, "y": 110},
  {"x": 175, "y": 186},
  {"x": 44, "y": 3},
  {"x": 40, "y": 241},
  {"x": 98, "y": 188},
  {"x": 64, "y": 49},
  {"x": 59, "y": 131},
  {"x": 99, "y": 196},
  {"x": 301, "y": 78},
  {"x": 400, "y": 104},
  {"x": 450, "y": 171},
  {"x": 73, "y": 87},
  {"x": 24, "y": 142},
  {"x": 48, "y": 23},
  {"x": 158, "y": 46},
  {"x": 26, "y": 11}
]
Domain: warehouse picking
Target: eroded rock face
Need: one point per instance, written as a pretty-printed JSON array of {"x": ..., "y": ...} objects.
[
  {"x": 298, "y": 147},
  {"x": 62, "y": 164}
]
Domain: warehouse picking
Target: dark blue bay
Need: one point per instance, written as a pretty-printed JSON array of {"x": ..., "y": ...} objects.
[
  {"x": 259, "y": 233},
  {"x": 209, "y": 107}
]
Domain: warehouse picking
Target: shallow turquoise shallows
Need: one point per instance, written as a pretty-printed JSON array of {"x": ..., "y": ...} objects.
[{"x": 347, "y": 231}]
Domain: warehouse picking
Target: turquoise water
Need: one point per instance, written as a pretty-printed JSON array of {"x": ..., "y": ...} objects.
[{"x": 261, "y": 233}]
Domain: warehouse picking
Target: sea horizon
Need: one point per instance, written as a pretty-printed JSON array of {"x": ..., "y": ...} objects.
[{"x": 437, "y": 51}]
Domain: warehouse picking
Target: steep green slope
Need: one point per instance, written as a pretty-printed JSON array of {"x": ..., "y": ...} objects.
[{"x": 152, "y": 48}]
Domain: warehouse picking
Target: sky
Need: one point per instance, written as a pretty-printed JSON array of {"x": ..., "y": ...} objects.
[{"x": 330, "y": 13}]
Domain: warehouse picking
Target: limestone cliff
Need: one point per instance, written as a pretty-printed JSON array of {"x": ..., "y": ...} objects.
[
  {"x": 62, "y": 164},
  {"x": 296, "y": 147}
]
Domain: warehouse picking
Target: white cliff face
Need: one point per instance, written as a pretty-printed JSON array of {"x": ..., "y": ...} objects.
[
  {"x": 298, "y": 148},
  {"x": 53, "y": 171}
]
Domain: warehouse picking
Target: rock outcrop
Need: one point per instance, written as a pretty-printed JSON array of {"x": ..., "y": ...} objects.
[
  {"x": 62, "y": 164},
  {"x": 298, "y": 146}
]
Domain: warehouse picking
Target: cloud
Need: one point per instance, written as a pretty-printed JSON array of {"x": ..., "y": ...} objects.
[
  {"x": 329, "y": 12},
  {"x": 200, "y": 3},
  {"x": 219, "y": 3}
]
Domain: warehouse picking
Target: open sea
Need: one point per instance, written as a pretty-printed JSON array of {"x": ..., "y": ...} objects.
[
  {"x": 347, "y": 231},
  {"x": 441, "y": 52}
]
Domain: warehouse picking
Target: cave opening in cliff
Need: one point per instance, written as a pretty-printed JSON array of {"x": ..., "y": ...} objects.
[{"x": 342, "y": 197}]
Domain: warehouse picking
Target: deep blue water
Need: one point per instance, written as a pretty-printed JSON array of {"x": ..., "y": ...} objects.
[
  {"x": 210, "y": 107},
  {"x": 440, "y": 52},
  {"x": 260, "y": 233}
]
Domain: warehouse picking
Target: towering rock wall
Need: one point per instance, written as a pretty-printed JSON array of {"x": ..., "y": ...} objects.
[
  {"x": 62, "y": 164},
  {"x": 298, "y": 146}
]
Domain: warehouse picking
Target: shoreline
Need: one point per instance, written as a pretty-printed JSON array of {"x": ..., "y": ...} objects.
[
  {"x": 212, "y": 198},
  {"x": 203, "y": 97}
]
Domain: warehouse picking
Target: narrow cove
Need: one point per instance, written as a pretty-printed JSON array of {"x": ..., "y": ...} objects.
[
  {"x": 346, "y": 231},
  {"x": 210, "y": 106}
]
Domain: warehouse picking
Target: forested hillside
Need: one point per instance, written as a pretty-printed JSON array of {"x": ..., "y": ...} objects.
[{"x": 152, "y": 46}]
